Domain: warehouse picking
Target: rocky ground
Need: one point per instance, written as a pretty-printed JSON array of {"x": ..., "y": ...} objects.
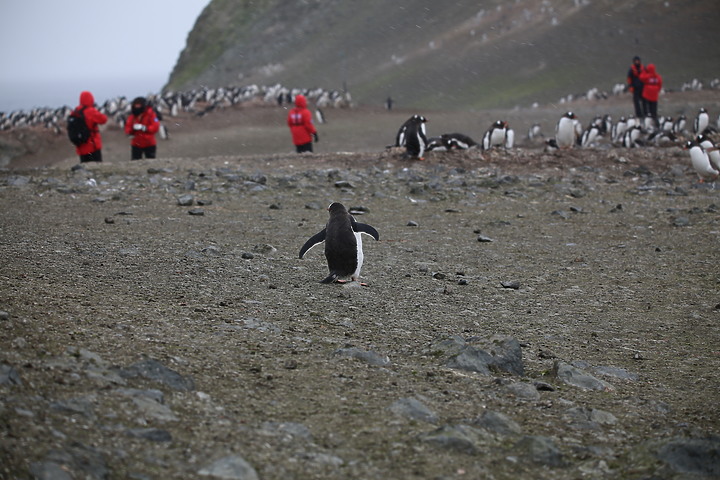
[{"x": 527, "y": 315}]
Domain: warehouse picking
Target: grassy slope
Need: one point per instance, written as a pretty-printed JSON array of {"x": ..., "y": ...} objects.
[{"x": 436, "y": 55}]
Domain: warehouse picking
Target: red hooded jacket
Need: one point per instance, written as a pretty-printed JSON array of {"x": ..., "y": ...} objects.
[
  {"x": 93, "y": 118},
  {"x": 300, "y": 122},
  {"x": 143, "y": 138},
  {"x": 652, "y": 83}
]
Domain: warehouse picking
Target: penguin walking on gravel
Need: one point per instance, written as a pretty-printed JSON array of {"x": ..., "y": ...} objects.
[
  {"x": 709, "y": 146},
  {"x": 565, "y": 134},
  {"x": 343, "y": 244},
  {"x": 495, "y": 136},
  {"x": 701, "y": 162}
]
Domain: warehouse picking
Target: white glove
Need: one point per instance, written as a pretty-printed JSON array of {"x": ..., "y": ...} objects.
[{"x": 139, "y": 126}]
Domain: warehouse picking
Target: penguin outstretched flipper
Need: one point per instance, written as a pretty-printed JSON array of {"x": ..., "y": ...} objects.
[
  {"x": 343, "y": 245},
  {"x": 312, "y": 241},
  {"x": 366, "y": 229}
]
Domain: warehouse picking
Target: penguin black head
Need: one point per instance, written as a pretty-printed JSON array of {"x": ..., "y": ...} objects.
[
  {"x": 337, "y": 208},
  {"x": 570, "y": 115}
]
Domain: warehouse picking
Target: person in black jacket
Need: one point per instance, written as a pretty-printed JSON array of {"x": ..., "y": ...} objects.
[{"x": 635, "y": 85}]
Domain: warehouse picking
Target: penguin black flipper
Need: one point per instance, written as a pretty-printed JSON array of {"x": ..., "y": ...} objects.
[
  {"x": 366, "y": 229},
  {"x": 312, "y": 241}
]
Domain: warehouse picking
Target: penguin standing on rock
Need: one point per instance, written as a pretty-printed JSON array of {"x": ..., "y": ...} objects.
[{"x": 343, "y": 244}]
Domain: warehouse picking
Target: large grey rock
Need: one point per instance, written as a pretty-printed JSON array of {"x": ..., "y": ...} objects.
[
  {"x": 498, "y": 423},
  {"x": 579, "y": 378},
  {"x": 699, "y": 456},
  {"x": 498, "y": 353},
  {"x": 413, "y": 409},
  {"x": 369, "y": 357},
  {"x": 460, "y": 438},
  {"x": 156, "y": 371},
  {"x": 540, "y": 450}
]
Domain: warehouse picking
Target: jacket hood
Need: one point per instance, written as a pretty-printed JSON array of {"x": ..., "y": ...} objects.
[
  {"x": 650, "y": 68},
  {"x": 300, "y": 101},
  {"x": 87, "y": 99}
]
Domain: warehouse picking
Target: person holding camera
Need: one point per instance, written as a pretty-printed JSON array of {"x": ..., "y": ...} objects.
[{"x": 142, "y": 125}]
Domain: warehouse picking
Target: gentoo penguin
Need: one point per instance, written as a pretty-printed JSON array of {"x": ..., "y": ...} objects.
[
  {"x": 495, "y": 136},
  {"x": 436, "y": 143},
  {"x": 709, "y": 147},
  {"x": 509, "y": 138},
  {"x": 535, "y": 131},
  {"x": 551, "y": 145},
  {"x": 679, "y": 125},
  {"x": 661, "y": 138},
  {"x": 618, "y": 130},
  {"x": 457, "y": 141},
  {"x": 411, "y": 135},
  {"x": 591, "y": 133},
  {"x": 565, "y": 131},
  {"x": 632, "y": 137},
  {"x": 343, "y": 245},
  {"x": 702, "y": 121},
  {"x": 701, "y": 162},
  {"x": 320, "y": 116}
]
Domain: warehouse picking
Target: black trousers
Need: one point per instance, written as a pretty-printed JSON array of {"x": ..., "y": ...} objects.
[
  {"x": 639, "y": 103},
  {"x": 306, "y": 147},
  {"x": 95, "y": 156},
  {"x": 136, "y": 153}
]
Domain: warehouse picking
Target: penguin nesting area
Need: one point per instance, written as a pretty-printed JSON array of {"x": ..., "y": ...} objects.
[{"x": 527, "y": 315}]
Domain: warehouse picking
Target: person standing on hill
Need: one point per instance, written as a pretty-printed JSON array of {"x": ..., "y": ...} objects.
[
  {"x": 142, "y": 125},
  {"x": 301, "y": 126},
  {"x": 635, "y": 85},
  {"x": 652, "y": 84},
  {"x": 91, "y": 150}
]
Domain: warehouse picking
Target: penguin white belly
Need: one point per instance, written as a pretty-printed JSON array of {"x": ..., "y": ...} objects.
[
  {"x": 497, "y": 137},
  {"x": 701, "y": 163},
  {"x": 565, "y": 136},
  {"x": 360, "y": 256}
]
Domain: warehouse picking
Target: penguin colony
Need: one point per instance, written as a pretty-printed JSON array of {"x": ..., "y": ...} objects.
[{"x": 200, "y": 102}]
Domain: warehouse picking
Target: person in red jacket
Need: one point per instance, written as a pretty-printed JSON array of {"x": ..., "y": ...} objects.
[
  {"x": 142, "y": 125},
  {"x": 301, "y": 126},
  {"x": 652, "y": 84},
  {"x": 91, "y": 151}
]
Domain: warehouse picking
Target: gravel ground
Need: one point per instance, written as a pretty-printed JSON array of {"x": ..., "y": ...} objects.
[{"x": 527, "y": 315}]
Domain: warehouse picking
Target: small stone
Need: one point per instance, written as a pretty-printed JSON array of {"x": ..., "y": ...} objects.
[
  {"x": 185, "y": 200},
  {"x": 196, "y": 212},
  {"x": 247, "y": 256},
  {"x": 514, "y": 284},
  {"x": 109, "y": 220},
  {"x": 484, "y": 239},
  {"x": 231, "y": 467},
  {"x": 412, "y": 224},
  {"x": 681, "y": 222}
]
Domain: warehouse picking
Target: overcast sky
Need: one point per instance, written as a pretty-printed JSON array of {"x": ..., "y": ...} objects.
[{"x": 91, "y": 44}]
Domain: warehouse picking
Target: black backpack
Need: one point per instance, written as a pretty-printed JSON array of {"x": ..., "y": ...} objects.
[{"x": 77, "y": 128}]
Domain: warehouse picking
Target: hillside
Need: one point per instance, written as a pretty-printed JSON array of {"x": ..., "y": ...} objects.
[{"x": 450, "y": 56}]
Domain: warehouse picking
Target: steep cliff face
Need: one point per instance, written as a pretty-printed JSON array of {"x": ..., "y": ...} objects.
[{"x": 425, "y": 53}]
